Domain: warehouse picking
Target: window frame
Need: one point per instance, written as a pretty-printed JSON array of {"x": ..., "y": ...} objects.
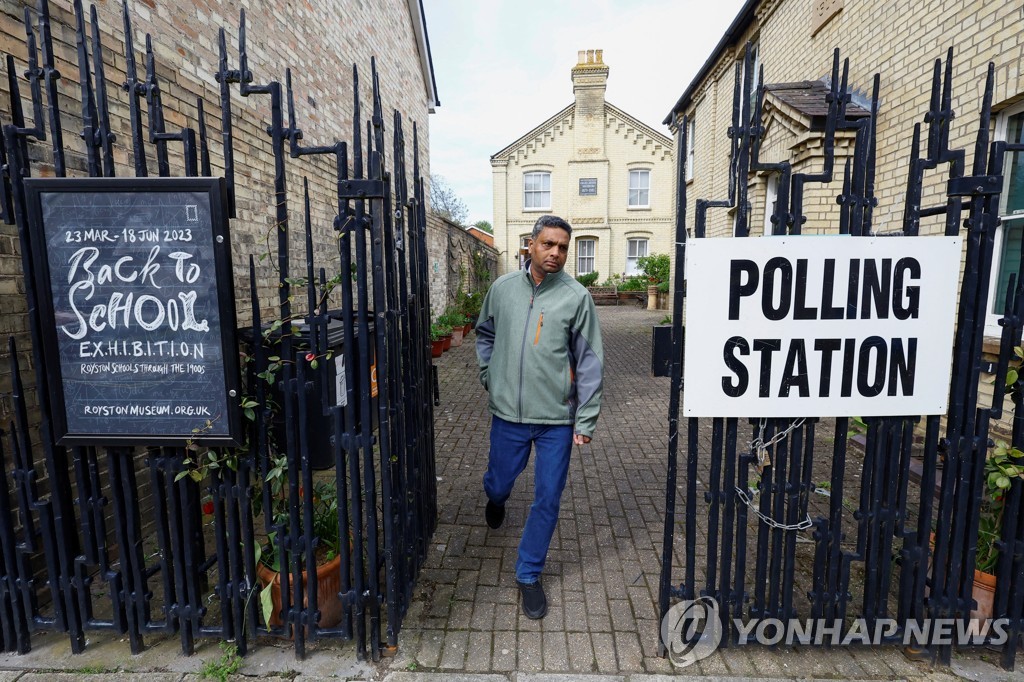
[
  {"x": 755, "y": 46},
  {"x": 524, "y": 243},
  {"x": 691, "y": 136},
  {"x": 771, "y": 198},
  {"x": 647, "y": 251},
  {"x": 592, "y": 256},
  {"x": 639, "y": 189},
  {"x": 992, "y": 327},
  {"x": 533, "y": 192}
]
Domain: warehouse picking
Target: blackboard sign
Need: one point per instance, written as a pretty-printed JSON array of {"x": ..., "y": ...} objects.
[
  {"x": 136, "y": 298},
  {"x": 588, "y": 187}
]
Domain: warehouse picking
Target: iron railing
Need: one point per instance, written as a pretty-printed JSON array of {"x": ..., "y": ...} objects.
[
  {"x": 115, "y": 541},
  {"x": 890, "y": 523}
]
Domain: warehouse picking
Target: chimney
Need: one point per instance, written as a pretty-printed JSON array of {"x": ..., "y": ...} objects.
[{"x": 589, "y": 80}]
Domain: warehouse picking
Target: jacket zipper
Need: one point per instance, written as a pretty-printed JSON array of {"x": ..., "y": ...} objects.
[
  {"x": 522, "y": 355},
  {"x": 540, "y": 323}
]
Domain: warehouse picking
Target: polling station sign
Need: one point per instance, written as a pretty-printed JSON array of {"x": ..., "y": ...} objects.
[{"x": 819, "y": 326}]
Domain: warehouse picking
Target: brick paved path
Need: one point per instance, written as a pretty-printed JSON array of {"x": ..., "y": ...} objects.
[{"x": 602, "y": 571}]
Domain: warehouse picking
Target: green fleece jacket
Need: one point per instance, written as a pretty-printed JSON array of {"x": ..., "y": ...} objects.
[{"x": 540, "y": 353}]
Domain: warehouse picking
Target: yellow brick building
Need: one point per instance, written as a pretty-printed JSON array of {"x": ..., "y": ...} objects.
[
  {"x": 793, "y": 41},
  {"x": 611, "y": 176}
]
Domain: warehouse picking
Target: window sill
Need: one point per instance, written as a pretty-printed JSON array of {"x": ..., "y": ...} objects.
[
  {"x": 536, "y": 210},
  {"x": 638, "y": 208}
]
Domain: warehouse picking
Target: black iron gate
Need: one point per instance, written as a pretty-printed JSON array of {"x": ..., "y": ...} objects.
[
  {"x": 116, "y": 540},
  {"x": 889, "y": 543}
]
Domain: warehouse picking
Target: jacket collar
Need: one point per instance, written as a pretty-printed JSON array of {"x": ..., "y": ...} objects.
[{"x": 547, "y": 278}]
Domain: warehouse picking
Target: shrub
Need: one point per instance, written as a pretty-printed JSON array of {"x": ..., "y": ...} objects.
[
  {"x": 452, "y": 317},
  {"x": 438, "y": 331},
  {"x": 655, "y": 267},
  {"x": 589, "y": 279},
  {"x": 633, "y": 284},
  {"x": 469, "y": 303}
]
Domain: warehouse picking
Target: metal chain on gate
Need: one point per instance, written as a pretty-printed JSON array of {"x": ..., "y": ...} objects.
[
  {"x": 764, "y": 459},
  {"x": 758, "y": 444},
  {"x": 803, "y": 525}
]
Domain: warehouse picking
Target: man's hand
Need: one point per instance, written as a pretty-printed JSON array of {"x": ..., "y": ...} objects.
[{"x": 580, "y": 439}]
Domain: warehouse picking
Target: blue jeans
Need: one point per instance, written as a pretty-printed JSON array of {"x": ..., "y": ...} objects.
[{"x": 510, "y": 452}]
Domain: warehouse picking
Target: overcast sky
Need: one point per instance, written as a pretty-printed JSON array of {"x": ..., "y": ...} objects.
[{"x": 502, "y": 68}]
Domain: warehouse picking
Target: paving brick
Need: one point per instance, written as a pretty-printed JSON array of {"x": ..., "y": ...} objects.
[
  {"x": 478, "y": 655},
  {"x": 604, "y": 652},
  {"x": 530, "y": 659},
  {"x": 504, "y": 652},
  {"x": 431, "y": 642},
  {"x": 581, "y": 653},
  {"x": 627, "y": 647},
  {"x": 453, "y": 655},
  {"x": 575, "y": 616},
  {"x": 556, "y": 655},
  {"x": 483, "y": 617}
]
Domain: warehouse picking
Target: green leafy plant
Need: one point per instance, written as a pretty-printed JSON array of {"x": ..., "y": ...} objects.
[
  {"x": 453, "y": 317},
  {"x": 228, "y": 664},
  {"x": 325, "y": 513},
  {"x": 666, "y": 320},
  {"x": 589, "y": 279},
  {"x": 1002, "y": 464},
  {"x": 481, "y": 270},
  {"x": 633, "y": 284},
  {"x": 663, "y": 288},
  {"x": 438, "y": 331},
  {"x": 856, "y": 427},
  {"x": 655, "y": 267},
  {"x": 469, "y": 303}
]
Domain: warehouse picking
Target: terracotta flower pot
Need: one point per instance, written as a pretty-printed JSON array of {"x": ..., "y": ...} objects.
[
  {"x": 984, "y": 592},
  {"x": 328, "y": 584},
  {"x": 467, "y": 329},
  {"x": 447, "y": 341},
  {"x": 436, "y": 348},
  {"x": 457, "y": 337}
]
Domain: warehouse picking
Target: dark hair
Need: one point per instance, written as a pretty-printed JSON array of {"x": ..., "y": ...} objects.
[{"x": 550, "y": 221}]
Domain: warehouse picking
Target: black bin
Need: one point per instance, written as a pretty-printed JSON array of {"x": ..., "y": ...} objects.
[
  {"x": 661, "y": 350},
  {"x": 318, "y": 427}
]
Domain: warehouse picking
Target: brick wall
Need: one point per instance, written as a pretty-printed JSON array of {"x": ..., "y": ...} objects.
[
  {"x": 453, "y": 256},
  {"x": 320, "y": 40}
]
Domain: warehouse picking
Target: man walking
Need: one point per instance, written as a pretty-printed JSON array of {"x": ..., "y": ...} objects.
[{"x": 541, "y": 361}]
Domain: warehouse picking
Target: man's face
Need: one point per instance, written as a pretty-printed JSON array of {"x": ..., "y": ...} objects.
[{"x": 550, "y": 249}]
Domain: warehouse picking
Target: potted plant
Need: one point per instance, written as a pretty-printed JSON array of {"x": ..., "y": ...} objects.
[
  {"x": 655, "y": 269},
  {"x": 437, "y": 333},
  {"x": 455, "y": 320},
  {"x": 469, "y": 304},
  {"x": 1002, "y": 464},
  {"x": 327, "y": 538}
]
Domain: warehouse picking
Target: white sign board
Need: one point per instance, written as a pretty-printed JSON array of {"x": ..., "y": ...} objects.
[{"x": 811, "y": 326}]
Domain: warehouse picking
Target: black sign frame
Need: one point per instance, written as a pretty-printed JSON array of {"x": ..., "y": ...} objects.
[{"x": 220, "y": 241}]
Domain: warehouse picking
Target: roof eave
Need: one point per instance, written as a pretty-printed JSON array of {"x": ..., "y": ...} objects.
[
  {"x": 419, "y": 25},
  {"x": 736, "y": 28}
]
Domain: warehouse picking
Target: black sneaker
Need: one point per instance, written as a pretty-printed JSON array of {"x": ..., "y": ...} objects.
[
  {"x": 535, "y": 604},
  {"x": 495, "y": 514}
]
